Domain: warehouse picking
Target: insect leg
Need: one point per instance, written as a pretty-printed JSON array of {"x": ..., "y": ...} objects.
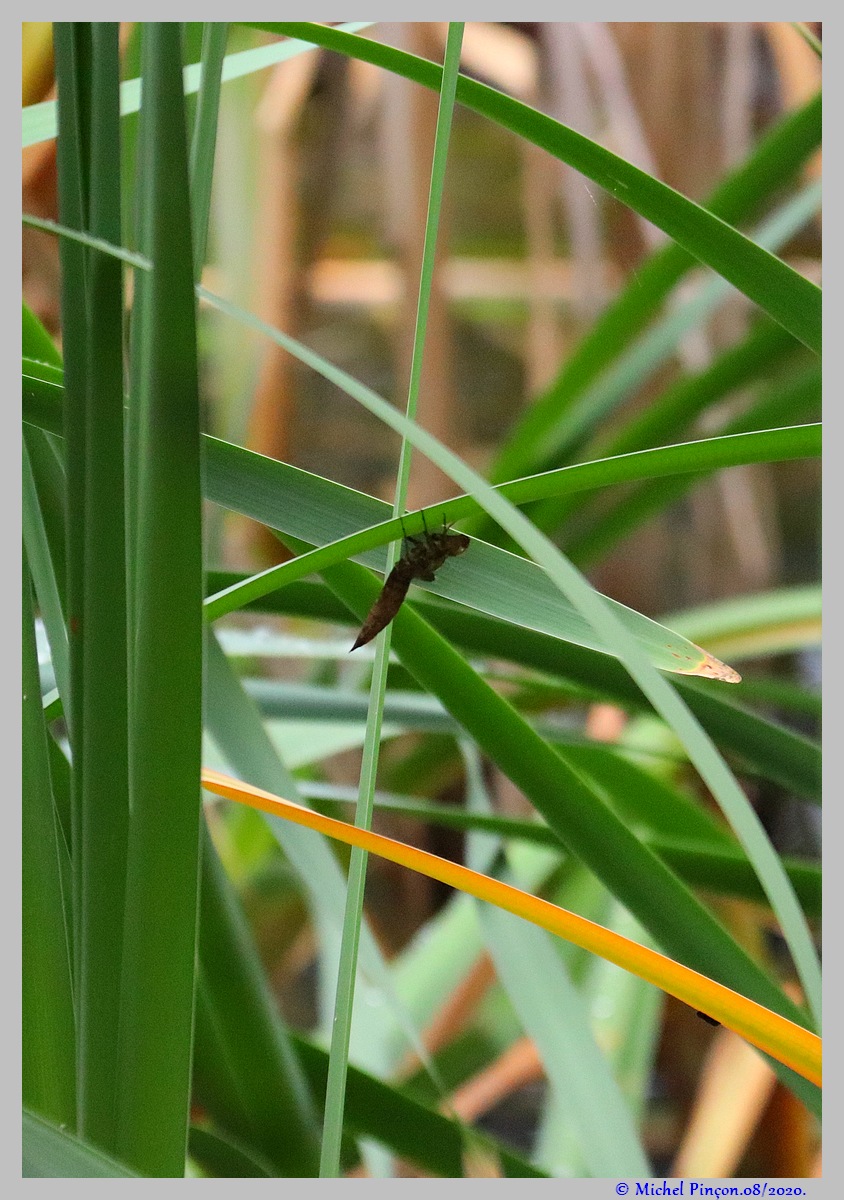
[{"x": 415, "y": 538}]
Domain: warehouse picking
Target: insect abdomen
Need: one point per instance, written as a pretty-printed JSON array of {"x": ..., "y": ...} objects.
[{"x": 387, "y": 604}]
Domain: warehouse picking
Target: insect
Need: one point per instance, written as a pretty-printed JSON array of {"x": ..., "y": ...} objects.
[
  {"x": 706, "y": 1017},
  {"x": 422, "y": 556}
]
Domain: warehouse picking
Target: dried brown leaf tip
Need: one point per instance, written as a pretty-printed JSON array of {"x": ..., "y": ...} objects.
[{"x": 712, "y": 668}]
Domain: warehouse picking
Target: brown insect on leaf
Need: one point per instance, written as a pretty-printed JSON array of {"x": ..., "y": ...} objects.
[{"x": 422, "y": 556}]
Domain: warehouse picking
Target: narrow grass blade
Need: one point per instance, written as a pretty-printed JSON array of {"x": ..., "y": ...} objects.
[
  {"x": 166, "y": 662},
  {"x": 542, "y": 993},
  {"x": 72, "y": 158},
  {"x": 214, "y": 37},
  {"x": 798, "y": 397},
  {"x": 265, "y": 1101},
  {"x": 102, "y": 848},
  {"x": 87, "y": 76},
  {"x": 48, "y": 1028},
  {"x": 89, "y": 240},
  {"x": 341, "y": 1027},
  {"x": 51, "y": 1152},
  {"x": 46, "y": 556}
]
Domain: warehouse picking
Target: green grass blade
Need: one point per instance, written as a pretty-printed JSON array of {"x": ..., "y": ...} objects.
[
  {"x": 50, "y": 1152},
  {"x": 377, "y": 1110},
  {"x": 808, "y": 37},
  {"x": 341, "y": 1027},
  {"x": 797, "y": 397},
  {"x": 721, "y": 867},
  {"x": 265, "y": 1102},
  {"x": 166, "y": 667},
  {"x": 105, "y": 813},
  {"x": 87, "y": 239},
  {"x": 87, "y": 66},
  {"x": 46, "y": 559},
  {"x": 48, "y": 1030},
  {"x": 541, "y": 991},
  {"x": 72, "y": 182},
  {"x": 203, "y": 145},
  {"x": 792, "y": 300},
  {"x": 756, "y": 357}
]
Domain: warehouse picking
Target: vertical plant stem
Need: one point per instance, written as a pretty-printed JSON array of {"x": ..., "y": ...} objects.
[
  {"x": 341, "y": 1028},
  {"x": 204, "y": 140},
  {"x": 102, "y": 848},
  {"x": 48, "y": 1034},
  {"x": 166, "y": 649},
  {"x": 70, "y": 42},
  {"x": 89, "y": 194}
]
